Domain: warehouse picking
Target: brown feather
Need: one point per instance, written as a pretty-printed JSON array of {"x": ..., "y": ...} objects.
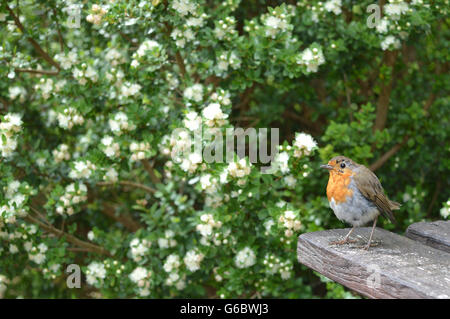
[{"x": 370, "y": 187}]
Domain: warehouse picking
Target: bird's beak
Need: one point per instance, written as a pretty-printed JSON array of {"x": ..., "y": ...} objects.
[{"x": 326, "y": 166}]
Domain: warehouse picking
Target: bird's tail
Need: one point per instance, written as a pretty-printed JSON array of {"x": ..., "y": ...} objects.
[{"x": 394, "y": 205}]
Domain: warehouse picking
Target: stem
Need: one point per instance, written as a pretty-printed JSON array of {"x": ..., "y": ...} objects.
[
  {"x": 128, "y": 222},
  {"x": 385, "y": 94},
  {"x": 36, "y": 71},
  {"x": 35, "y": 45},
  {"x": 151, "y": 171},
  {"x": 70, "y": 238},
  {"x": 128, "y": 183}
]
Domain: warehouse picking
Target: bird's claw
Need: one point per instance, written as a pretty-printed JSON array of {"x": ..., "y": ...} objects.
[
  {"x": 366, "y": 247},
  {"x": 342, "y": 242}
]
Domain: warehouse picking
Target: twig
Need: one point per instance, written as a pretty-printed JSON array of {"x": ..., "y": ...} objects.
[
  {"x": 46, "y": 72},
  {"x": 128, "y": 183},
  {"x": 180, "y": 63},
  {"x": 383, "y": 159},
  {"x": 434, "y": 198},
  {"x": 35, "y": 45},
  {"x": 151, "y": 172},
  {"x": 70, "y": 238},
  {"x": 310, "y": 126},
  {"x": 128, "y": 222},
  {"x": 347, "y": 94},
  {"x": 385, "y": 93},
  {"x": 178, "y": 57},
  {"x": 61, "y": 39}
]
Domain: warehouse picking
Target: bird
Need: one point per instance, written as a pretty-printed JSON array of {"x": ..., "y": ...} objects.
[{"x": 356, "y": 196}]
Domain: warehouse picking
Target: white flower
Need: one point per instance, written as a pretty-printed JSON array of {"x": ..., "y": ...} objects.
[
  {"x": 111, "y": 175},
  {"x": 37, "y": 258},
  {"x": 194, "y": 93},
  {"x": 95, "y": 273},
  {"x": 172, "y": 263},
  {"x": 214, "y": 115},
  {"x": 275, "y": 24},
  {"x": 312, "y": 59},
  {"x": 382, "y": 26},
  {"x": 12, "y": 188},
  {"x": 17, "y": 91},
  {"x": 239, "y": 169},
  {"x": 193, "y": 259},
  {"x": 183, "y": 7},
  {"x": 303, "y": 144},
  {"x": 130, "y": 89},
  {"x": 110, "y": 149},
  {"x": 395, "y": 10},
  {"x": 194, "y": 22},
  {"x": 82, "y": 169},
  {"x": 390, "y": 41},
  {"x": 61, "y": 153},
  {"x": 290, "y": 181},
  {"x": 3, "y": 282},
  {"x": 119, "y": 123},
  {"x": 69, "y": 117},
  {"x": 333, "y": 6},
  {"x": 282, "y": 162},
  {"x": 272, "y": 22},
  {"x": 11, "y": 123},
  {"x": 245, "y": 258},
  {"x": 445, "y": 212},
  {"x": 91, "y": 235},
  {"x": 13, "y": 249},
  {"x": 139, "y": 150},
  {"x": 192, "y": 121},
  {"x": 139, "y": 248},
  {"x": 147, "y": 45},
  {"x": 139, "y": 274},
  {"x": 67, "y": 60}
]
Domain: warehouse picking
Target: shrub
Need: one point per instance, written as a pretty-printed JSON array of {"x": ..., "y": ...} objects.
[{"x": 93, "y": 175}]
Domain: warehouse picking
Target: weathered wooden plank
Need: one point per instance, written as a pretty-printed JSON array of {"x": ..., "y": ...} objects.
[
  {"x": 435, "y": 234},
  {"x": 398, "y": 267}
]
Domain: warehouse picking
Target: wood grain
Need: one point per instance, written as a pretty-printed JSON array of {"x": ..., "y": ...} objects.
[
  {"x": 435, "y": 234},
  {"x": 398, "y": 267}
]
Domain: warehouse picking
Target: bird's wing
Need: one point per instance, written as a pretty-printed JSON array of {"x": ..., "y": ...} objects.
[{"x": 369, "y": 185}]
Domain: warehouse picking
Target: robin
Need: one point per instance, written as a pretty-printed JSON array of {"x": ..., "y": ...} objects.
[{"x": 356, "y": 196}]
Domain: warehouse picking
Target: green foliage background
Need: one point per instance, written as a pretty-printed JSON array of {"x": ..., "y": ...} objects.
[{"x": 387, "y": 109}]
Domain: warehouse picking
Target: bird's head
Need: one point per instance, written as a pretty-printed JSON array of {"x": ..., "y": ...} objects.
[{"x": 340, "y": 165}]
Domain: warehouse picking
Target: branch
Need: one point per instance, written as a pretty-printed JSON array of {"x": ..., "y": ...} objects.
[
  {"x": 385, "y": 93},
  {"x": 128, "y": 222},
  {"x": 348, "y": 96},
  {"x": 434, "y": 198},
  {"x": 46, "y": 72},
  {"x": 36, "y": 46},
  {"x": 383, "y": 159},
  {"x": 151, "y": 171},
  {"x": 128, "y": 183},
  {"x": 310, "y": 126},
  {"x": 428, "y": 103},
  {"x": 178, "y": 58},
  {"x": 70, "y": 238},
  {"x": 180, "y": 63},
  {"x": 61, "y": 39}
]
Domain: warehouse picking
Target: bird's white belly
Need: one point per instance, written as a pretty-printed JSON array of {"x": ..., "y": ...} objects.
[{"x": 356, "y": 211}]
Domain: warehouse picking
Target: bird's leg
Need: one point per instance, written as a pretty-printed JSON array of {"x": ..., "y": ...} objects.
[
  {"x": 345, "y": 240},
  {"x": 371, "y": 234}
]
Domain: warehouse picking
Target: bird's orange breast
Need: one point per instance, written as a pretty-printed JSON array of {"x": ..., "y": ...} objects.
[{"x": 338, "y": 186}]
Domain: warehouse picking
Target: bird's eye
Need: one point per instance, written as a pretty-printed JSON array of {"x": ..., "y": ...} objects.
[{"x": 343, "y": 165}]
